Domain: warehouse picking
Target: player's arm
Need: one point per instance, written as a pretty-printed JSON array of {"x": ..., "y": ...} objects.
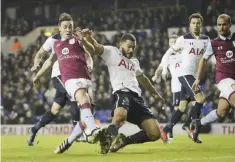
[
  {"x": 145, "y": 82},
  {"x": 99, "y": 49},
  {"x": 157, "y": 73},
  {"x": 89, "y": 61},
  {"x": 202, "y": 65},
  {"x": 38, "y": 58},
  {"x": 45, "y": 48},
  {"x": 88, "y": 46},
  {"x": 46, "y": 66}
]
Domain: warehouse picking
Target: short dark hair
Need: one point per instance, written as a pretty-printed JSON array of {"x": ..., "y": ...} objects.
[
  {"x": 128, "y": 36},
  {"x": 226, "y": 17},
  {"x": 65, "y": 17},
  {"x": 174, "y": 36},
  {"x": 196, "y": 15}
]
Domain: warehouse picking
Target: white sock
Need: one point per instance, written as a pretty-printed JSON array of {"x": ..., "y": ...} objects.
[
  {"x": 88, "y": 119},
  {"x": 83, "y": 137},
  {"x": 212, "y": 116},
  {"x": 77, "y": 132}
]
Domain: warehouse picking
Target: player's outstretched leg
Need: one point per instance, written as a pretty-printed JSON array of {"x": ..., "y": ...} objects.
[
  {"x": 77, "y": 132},
  {"x": 121, "y": 140},
  {"x": 151, "y": 132},
  {"x": 169, "y": 126},
  {"x": 48, "y": 117},
  {"x": 194, "y": 113},
  {"x": 223, "y": 108},
  {"x": 119, "y": 117}
]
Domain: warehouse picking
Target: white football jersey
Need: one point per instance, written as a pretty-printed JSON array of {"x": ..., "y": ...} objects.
[
  {"x": 122, "y": 71},
  {"x": 174, "y": 67},
  {"x": 192, "y": 50}
]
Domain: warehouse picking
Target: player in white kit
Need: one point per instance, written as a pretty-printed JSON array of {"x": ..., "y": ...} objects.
[
  {"x": 125, "y": 75},
  {"x": 192, "y": 46},
  {"x": 174, "y": 63}
]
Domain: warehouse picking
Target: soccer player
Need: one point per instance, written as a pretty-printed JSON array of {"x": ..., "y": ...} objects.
[
  {"x": 125, "y": 73},
  {"x": 61, "y": 97},
  {"x": 192, "y": 46},
  {"x": 74, "y": 74},
  {"x": 223, "y": 47},
  {"x": 173, "y": 66}
]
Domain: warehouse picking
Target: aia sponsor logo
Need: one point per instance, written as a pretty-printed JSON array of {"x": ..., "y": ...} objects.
[
  {"x": 229, "y": 54},
  {"x": 196, "y": 51},
  {"x": 127, "y": 65}
]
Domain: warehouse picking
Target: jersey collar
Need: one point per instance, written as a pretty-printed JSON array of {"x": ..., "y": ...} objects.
[{"x": 224, "y": 38}]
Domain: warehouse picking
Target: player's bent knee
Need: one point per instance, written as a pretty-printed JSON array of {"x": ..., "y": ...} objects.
[
  {"x": 154, "y": 136},
  {"x": 200, "y": 98}
]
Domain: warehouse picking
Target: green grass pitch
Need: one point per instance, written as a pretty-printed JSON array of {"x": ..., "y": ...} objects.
[{"x": 215, "y": 148}]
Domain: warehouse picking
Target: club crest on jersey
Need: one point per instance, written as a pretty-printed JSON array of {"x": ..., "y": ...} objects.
[
  {"x": 126, "y": 64},
  {"x": 229, "y": 54},
  {"x": 65, "y": 51}
]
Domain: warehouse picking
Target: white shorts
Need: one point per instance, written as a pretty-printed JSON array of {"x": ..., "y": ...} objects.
[
  {"x": 72, "y": 85},
  {"x": 226, "y": 87}
]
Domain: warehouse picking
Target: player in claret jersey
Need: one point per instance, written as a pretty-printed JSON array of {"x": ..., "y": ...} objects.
[
  {"x": 192, "y": 46},
  {"x": 223, "y": 48},
  {"x": 61, "y": 97},
  {"x": 75, "y": 77}
]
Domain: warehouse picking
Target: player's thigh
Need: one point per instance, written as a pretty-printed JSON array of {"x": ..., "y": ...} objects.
[
  {"x": 138, "y": 111},
  {"x": 187, "y": 82},
  {"x": 223, "y": 107},
  {"x": 227, "y": 89},
  {"x": 151, "y": 128},
  {"x": 77, "y": 90},
  {"x": 121, "y": 106}
]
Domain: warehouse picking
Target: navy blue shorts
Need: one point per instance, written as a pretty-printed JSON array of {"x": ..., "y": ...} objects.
[{"x": 186, "y": 88}]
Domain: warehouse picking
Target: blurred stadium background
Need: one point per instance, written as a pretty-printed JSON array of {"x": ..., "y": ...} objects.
[{"x": 27, "y": 23}]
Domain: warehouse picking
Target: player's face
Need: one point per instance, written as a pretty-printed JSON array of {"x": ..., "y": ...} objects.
[
  {"x": 195, "y": 25},
  {"x": 127, "y": 48},
  {"x": 172, "y": 41},
  {"x": 79, "y": 34},
  {"x": 223, "y": 26},
  {"x": 66, "y": 29}
]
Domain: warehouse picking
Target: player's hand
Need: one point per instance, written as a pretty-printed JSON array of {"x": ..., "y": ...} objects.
[
  {"x": 35, "y": 68},
  {"x": 87, "y": 33},
  {"x": 154, "y": 78},
  {"x": 36, "y": 82},
  {"x": 195, "y": 84},
  {"x": 165, "y": 76}
]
